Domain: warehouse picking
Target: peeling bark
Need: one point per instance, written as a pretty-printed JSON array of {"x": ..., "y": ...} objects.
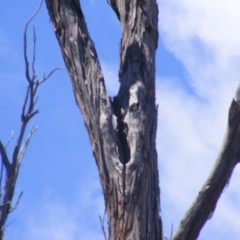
[{"x": 122, "y": 132}]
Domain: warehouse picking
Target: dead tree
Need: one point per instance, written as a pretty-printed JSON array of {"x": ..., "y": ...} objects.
[
  {"x": 122, "y": 130},
  {"x": 10, "y": 166}
]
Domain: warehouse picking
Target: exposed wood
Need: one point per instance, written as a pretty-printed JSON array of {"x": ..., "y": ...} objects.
[
  {"x": 203, "y": 207},
  {"x": 122, "y": 132}
]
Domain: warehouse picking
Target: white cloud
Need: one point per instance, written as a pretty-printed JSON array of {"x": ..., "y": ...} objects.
[
  {"x": 58, "y": 220},
  {"x": 213, "y": 21},
  {"x": 204, "y": 37}
]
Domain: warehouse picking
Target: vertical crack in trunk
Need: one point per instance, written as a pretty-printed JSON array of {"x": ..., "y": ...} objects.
[
  {"x": 134, "y": 107},
  {"x": 122, "y": 130},
  {"x": 124, "y": 149}
]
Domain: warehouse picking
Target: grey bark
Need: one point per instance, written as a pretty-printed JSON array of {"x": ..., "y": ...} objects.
[{"x": 122, "y": 131}]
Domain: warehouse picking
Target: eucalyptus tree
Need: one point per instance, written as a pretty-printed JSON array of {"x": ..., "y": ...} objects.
[{"x": 122, "y": 131}]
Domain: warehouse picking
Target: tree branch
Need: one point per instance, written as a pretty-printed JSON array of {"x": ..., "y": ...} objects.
[
  {"x": 27, "y": 74},
  {"x": 48, "y": 75},
  {"x": 115, "y": 6},
  {"x": 5, "y": 160},
  {"x": 28, "y": 112},
  {"x": 102, "y": 226},
  {"x": 34, "y": 51},
  {"x": 85, "y": 72},
  {"x": 9, "y": 140},
  {"x": 25, "y": 145},
  {"x": 16, "y": 204},
  {"x": 203, "y": 207}
]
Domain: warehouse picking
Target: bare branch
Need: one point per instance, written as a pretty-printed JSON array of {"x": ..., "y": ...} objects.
[
  {"x": 16, "y": 205},
  {"x": 49, "y": 75},
  {"x": 102, "y": 226},
  {"x": 25, "y": 105},
  {"x": 25, "y": 145},
  {"x": 203, "y": 207},
  {"x": 5, "y": 159},
  {"x": 9, "y": 140},
  {"x": 25, "y": 42},
  {"x": 1, "y": 180},
  {"x": 8, "y": 225},
  {"x": 28, "y": 112},
  {"x": 171, "y": 232},
  {"x": 34, "y": 53}
]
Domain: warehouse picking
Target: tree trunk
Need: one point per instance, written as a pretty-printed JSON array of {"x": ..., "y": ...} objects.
[{"x": 122, "y": 131}]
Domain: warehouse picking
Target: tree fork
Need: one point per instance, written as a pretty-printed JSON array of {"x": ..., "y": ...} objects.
[{"x": 122, "y": 133}]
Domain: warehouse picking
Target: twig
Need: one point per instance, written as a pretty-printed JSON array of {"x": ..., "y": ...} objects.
[
  {"x": 18, "y": 200},
  {"x": 9, "y": 140},
  {"x": 25, "y": 145},
  {"x": 102, "y": 226},
  {"x": 49, "y": 75},
  {"x": 34, "y": 53},
  {"x": 8, "y": 225},
  {"x": 25, "y": 42},
  {"x": 171, "y": 232},
  {"x": 1, "y": 180},
  {"x": 5, "y": 159}
]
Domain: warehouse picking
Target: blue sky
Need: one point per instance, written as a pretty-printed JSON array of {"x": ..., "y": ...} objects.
[{"x": 197, "y": 74}]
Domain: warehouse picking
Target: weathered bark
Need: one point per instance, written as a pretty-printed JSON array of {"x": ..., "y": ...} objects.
[
  {"x": 122, "y": 131},
  {"x": 203, "y": 207}
]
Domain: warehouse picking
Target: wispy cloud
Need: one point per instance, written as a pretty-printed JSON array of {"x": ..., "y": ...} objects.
[
  {"x": 203, "y": 36},
  {"x": 57, "y": 219}
]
